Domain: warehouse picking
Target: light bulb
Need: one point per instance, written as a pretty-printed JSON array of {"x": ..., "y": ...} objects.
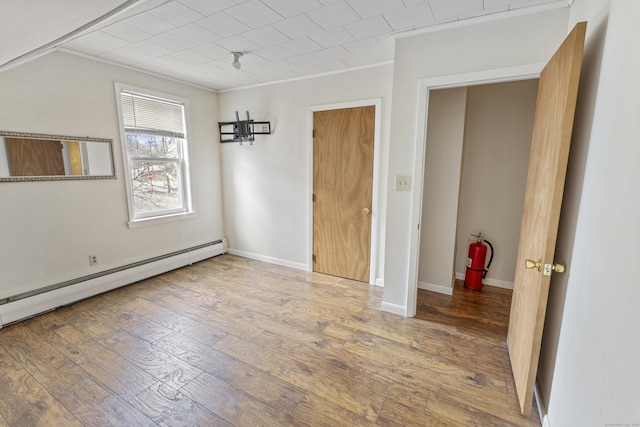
[{"x": 236, "y": 64}]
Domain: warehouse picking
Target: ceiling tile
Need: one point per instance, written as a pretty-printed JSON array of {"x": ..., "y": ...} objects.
[
  {"x": 364, "y": 46},
  {"x": 409, "y": 3},
  {"x": 170, "y": 41},
  {"x": 195, "y": 34},
  {"x": 97, "y": 42},
  {"x": 164, "y": 62},
  {"x": 119, "y": 58},
  {"x": 306, "y": 60},
  {"x": 126, "y": 32},
  {"x": 301, "y": 46},
  {"x": 369, "y": 8},
  {"x": 484, "y": 12},
  {"x": 212, "y": 50},
  {"x": 333, "y": 54},
  {"x": 192, "y": 57},
  {"x": 333, "y": 37},
  {"x": 273, "y": 53},
  {"x": 368, "y": 28},
  {"x": 254, "y": 14},
  {"x": 524, "y": 3},
  {"x": 149, "y": 24},
  {"x": 443, "y": 9},
  {"x": 387, "y": 40},
  {"x": 279, "y": 65},
  {"x": 288, "y": 8},
  {"x": 266, "y": 36},
  {"x": 208, "y": 7},
  {"x": 150, "y": 49},
  {"x": 222, "y": 24},
  {"x": 410, "y": 18},
  {"x": 129, "y": 54},
  {"x": 191, "y": 40},
  {"x": 176, "y": 13},
  {"x": 237, "y": 44},
  {"x": 385, "y": 54},
  {"x": 359, "y": 60},
  {"x": 297, "y": 27},
  {"x": 335, "y": 15}
]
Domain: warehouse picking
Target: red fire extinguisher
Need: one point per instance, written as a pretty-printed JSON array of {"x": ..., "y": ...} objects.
[{"x": 476, "y": 271}]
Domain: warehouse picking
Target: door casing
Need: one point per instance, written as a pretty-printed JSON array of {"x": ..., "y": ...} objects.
[
  {"x": 375, "y": 200},
  {"x": 500, "y": 75}
]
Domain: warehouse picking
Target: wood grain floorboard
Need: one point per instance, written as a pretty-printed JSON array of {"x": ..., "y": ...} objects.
[{"x": 232, "y": 341}]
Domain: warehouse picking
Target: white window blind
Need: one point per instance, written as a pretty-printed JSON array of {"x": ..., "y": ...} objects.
[{"x": 147, "y": 115}]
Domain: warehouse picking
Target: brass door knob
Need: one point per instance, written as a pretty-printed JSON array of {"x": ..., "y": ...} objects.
[
  {"x": 548, "y": 268},
  {"x": 529, "y": 263},
  {"x": 365, "y": 211}
]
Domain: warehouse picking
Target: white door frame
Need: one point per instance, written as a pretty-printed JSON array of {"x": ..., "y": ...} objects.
[
  {"x": 500, "y": 75},
  {"x": 375, "y": 208}
]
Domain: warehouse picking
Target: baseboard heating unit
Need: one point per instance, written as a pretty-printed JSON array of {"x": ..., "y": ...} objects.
[{"x": 28, "y": 304}]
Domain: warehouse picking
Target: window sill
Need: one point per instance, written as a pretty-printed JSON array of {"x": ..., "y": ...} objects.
[{"x": 144, "y": 222}]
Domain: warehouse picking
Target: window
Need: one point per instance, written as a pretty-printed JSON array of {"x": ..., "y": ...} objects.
[{"x": 155, "y": 154}]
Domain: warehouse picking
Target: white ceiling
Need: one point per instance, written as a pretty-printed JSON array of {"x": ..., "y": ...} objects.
[{"x": 191, "y": 40}]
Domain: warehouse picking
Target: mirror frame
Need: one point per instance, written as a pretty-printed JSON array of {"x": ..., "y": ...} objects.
[{"x": 61, "y": 138}]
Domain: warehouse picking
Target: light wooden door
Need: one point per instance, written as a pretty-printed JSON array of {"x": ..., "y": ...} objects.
[
  {"x": 343, "y": 142},
  {"x": 553, "y": 123}
]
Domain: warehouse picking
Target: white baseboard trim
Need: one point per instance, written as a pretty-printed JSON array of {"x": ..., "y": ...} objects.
[
  {"x": 379, "y": 282},
  {"x": 542, "y": 406},
  {"x": 271, "y": 260},
  {"x": 491, "y": 282},
  {"x": 39, "y": 303},
  {"x": 393, "y": 308},
  {"x": 441, "y": 289}
]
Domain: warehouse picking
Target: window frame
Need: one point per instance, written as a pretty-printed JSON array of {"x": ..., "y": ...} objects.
[{"x": 181, "y": 161}]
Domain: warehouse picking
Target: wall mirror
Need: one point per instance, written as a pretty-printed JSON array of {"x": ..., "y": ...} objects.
[{"x": 41, "y": 157}]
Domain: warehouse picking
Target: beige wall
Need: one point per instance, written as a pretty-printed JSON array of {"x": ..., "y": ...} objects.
[
  {"x": 443, "y": 161},
  {"x": 499, "y": 125},
  {"x": 50, "y": 228}
]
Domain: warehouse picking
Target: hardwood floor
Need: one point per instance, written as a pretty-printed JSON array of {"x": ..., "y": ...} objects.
[{"x": 235, "y": 342}]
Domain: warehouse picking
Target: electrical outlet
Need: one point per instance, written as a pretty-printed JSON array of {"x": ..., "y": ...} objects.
[{"x": 93, "y": 259}]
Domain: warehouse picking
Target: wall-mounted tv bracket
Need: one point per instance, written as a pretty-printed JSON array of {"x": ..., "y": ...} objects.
[{"x": 242, "y": 130}]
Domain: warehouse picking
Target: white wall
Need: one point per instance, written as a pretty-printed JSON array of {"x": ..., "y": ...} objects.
[
  {"x": 266, "y": 185},
  {"x": 50, "y": 228},
  {"x": 498, "y": 133},
  {"x": 520, "y": 40},
  {"x": 588, "y": 369},
  {"x": 443, "y": 164}
]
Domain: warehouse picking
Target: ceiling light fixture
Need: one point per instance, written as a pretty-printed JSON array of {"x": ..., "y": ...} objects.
[{"x": 236, "y": 64}]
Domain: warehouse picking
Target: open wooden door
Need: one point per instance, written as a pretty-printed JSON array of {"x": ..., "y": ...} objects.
[
  {"x": 553, "y": 123},
  {"x": 343, "y": 145},
  {"x": 34, "y": 157}
]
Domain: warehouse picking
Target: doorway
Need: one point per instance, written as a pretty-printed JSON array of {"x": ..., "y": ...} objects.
[
  {"x": 476, "y": 160},
  {"x": 425, "y": 86}
]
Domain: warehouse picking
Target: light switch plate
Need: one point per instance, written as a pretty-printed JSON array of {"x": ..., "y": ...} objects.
[{"x": 403, "y": 182}]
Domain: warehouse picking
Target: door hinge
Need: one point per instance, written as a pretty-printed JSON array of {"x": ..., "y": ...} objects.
[
  {"x": 313, "y": 257},
  {"x": 313, "y": 133},
  {"x": 313, "y": 198}
]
